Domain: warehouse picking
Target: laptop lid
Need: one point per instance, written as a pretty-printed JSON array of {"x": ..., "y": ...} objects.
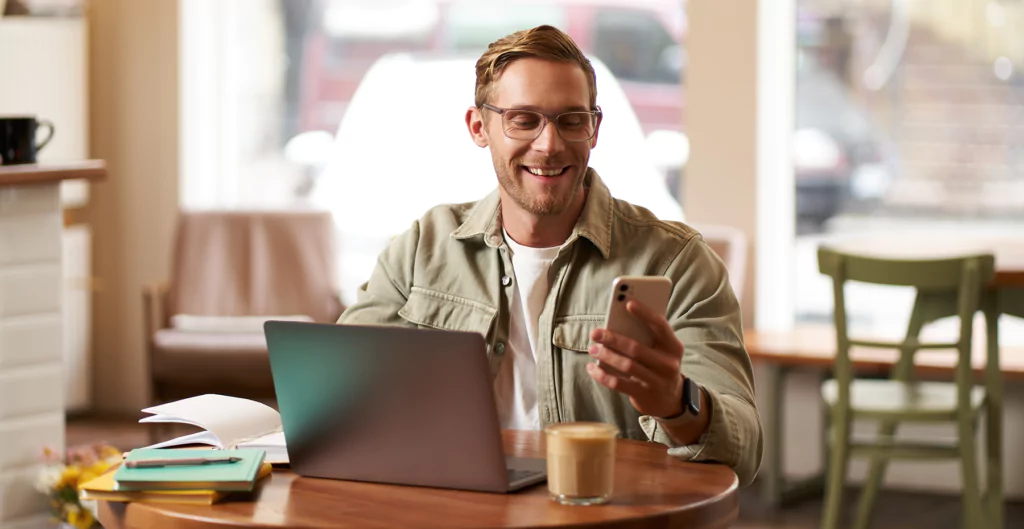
[{"x": 387, "y": 404}]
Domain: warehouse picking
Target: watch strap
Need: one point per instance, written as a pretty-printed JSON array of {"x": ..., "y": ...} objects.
[
  {"x": 691, "y": 397},
  {"x": 690, "y": 401}
]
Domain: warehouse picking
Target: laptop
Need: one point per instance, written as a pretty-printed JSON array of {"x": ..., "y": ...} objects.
[{"x": 391, "y": 405}]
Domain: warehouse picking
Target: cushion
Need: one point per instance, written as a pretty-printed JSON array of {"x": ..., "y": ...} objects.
[
  {"x": 228, "y": 324},
  {"x": 228, "y": 359}
]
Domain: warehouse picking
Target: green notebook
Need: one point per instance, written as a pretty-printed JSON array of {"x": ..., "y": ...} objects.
[{"x": 237, "y": 476}]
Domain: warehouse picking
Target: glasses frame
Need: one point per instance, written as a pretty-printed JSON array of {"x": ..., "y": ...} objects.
[{"x": 597, "y": 114}]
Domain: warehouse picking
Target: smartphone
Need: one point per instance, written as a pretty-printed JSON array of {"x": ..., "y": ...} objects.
[{"x": 652, "y": 291}]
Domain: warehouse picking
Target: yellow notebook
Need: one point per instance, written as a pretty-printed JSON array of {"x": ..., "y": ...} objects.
[{"x": 104, "y": 488}]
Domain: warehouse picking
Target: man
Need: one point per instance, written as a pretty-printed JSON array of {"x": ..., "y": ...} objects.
[{"x": 530, "y": 267}]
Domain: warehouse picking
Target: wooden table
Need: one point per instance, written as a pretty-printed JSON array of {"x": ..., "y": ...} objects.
[
  {"x": 1008, "y": 250},
  {"x": 814, "y": 347},
  {"x": 652, "y": 489}
]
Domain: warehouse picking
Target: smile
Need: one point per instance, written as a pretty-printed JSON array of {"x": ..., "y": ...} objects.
[{"x": 546, "y": 171}]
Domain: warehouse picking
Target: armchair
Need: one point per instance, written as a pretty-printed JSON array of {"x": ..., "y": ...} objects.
[{"x": 231, "y": 271}]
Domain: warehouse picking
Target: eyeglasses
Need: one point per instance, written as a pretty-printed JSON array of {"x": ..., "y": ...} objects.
[{"x": 527, "y": 125}]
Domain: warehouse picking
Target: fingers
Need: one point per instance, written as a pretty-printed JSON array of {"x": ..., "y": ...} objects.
[
  {"x": 628, "y": 386},
  {"x": 648, "y": 376},
  {"x": 623, "y": 366},
  {"x": 630, "y": 348},
  {"x": 663, "y": 333}
]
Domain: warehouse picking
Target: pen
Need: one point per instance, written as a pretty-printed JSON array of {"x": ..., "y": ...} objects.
[{"x": 147, "y": 463}]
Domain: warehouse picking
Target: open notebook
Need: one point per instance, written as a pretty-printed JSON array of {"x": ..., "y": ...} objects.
[{"x": 228, "y": 422}]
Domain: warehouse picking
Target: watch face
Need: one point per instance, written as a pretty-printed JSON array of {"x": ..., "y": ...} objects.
[{"x": 692, "y": 391}]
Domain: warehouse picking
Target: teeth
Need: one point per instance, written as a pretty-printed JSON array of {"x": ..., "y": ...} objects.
[{"x": 544, "y": 172}]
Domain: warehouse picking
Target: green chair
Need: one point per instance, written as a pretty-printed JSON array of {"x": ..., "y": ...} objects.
[{"x": 901, "y": 399}]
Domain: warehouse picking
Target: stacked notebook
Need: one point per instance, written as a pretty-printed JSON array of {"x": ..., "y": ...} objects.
[{"x": 179, "y": 476}]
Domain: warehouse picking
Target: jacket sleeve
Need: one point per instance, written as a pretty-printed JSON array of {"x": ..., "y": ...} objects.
[
  {"x": 379, "y": 299},
  {"x": 705, "y": 314}
]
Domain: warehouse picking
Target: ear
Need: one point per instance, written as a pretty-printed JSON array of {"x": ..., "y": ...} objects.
[{"x": 476, "y": 126}]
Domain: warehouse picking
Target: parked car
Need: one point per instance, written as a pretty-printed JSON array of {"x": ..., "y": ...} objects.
[
  {"x": 838, "y": 158},
  {"x": 403, "y": 147}
]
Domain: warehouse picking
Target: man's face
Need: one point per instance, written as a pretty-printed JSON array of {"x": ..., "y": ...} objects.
[{"x": 545, "y": 175}]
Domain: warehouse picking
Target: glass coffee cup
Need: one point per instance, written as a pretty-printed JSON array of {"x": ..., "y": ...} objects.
[{"x": 581, "y": 462}]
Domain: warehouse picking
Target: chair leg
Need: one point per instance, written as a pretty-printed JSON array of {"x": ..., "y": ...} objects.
[
  {"x": 993, "y": 417},
  {"x": 770, "y": 475},
  {"x": 879, "y": 464},
  {"x": 994, "y": 468},
  {"x": 973, "y": 516},
  {"x": 839, "y": 441}
]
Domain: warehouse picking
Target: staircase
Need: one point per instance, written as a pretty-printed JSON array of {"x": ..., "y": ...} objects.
[{"x": 958, "y": 132}]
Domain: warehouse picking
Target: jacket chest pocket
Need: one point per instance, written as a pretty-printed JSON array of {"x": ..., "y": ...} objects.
[
  {"x": 570, "y": 337},
  {"x": 446, "y": 312},
  {"x": 582, "y": 399},
  {"x": 572, "y": 333}
]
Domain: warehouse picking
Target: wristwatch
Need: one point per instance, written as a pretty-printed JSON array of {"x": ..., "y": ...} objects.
[
  {"x": 691, "y": 397},
  {"x": 691, "y": 400}
]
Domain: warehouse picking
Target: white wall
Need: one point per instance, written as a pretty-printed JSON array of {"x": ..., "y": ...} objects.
[{"x": 31, "y": 371}]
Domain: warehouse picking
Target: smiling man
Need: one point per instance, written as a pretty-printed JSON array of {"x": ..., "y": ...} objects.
[{"x": 530, "y": 268}]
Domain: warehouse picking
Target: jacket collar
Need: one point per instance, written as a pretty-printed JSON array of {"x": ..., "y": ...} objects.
[{"x": 594, "y": 224}]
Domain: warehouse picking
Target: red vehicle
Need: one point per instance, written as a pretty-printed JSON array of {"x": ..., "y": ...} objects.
[{"x": 639, "y": 40}]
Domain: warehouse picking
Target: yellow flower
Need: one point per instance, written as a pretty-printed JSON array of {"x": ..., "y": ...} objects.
[
  {"x": 69, "y": 476},
  {"x": 80, "y": 518}
]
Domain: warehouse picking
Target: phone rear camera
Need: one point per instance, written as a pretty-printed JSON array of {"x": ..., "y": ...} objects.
[
  {"x": 624, "y": 287},
  {"x": 622, "y": 297}
]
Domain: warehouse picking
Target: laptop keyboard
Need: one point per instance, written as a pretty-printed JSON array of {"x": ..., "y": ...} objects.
[{"x": 516, "y": 475}]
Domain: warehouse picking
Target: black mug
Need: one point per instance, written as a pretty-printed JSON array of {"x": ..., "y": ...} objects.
[{"x": 18, "y": 139}]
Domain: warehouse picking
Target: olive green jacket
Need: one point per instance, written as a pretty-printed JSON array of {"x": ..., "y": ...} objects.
[{"x": 452, "y": 270}]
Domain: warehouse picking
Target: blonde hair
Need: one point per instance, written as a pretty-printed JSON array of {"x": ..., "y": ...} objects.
[{"x": 542, "y": 42}]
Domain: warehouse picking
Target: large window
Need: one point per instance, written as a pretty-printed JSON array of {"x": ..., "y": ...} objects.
[
  {"x": 357, "y": 106},
  {"x": 908, "y": 120}
]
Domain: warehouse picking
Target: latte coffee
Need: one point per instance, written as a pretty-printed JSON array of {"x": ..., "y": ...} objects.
[{"x": 581, "y": 462}]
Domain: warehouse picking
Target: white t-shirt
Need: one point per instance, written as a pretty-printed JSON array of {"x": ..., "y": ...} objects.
[{"x": 515, "y": 388}]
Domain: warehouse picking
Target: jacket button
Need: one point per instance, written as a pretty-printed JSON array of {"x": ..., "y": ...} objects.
[
  {"x": 506, "y": 280},
  {"x": 499, "y": 348}
]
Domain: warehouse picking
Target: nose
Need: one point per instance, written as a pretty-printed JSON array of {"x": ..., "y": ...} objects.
[{"x": 549, "y": 140}]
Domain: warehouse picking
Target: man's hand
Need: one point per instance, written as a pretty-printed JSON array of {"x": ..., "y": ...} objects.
[{"x": 649, "y": 375}]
